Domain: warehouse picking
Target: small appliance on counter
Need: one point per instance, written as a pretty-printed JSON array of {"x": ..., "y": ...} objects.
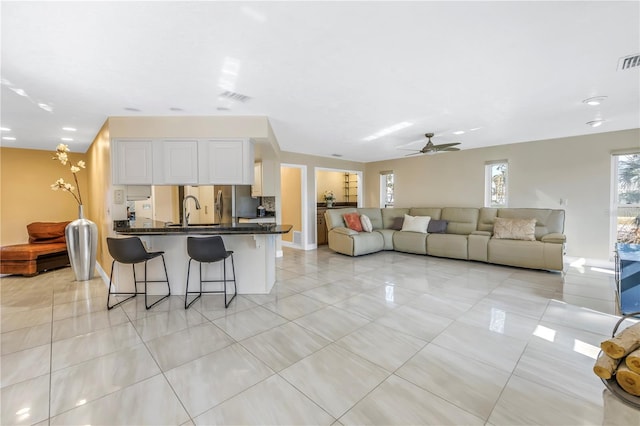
[{"x": 261, "y": 211}]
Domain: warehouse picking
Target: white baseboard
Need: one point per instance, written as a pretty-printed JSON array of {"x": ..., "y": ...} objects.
[
  {"x": 102, "y": 274},
  {"x": 295, "y": 246}
]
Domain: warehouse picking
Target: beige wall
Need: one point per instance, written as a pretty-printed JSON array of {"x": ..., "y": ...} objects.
[
  {"x": 192, "y": 127},
  {"x": 328, "y": 180},
  {"x": 540, "y": 174},
  {"x": 100, "y": 193},
  {"x": 291, "y": 185},
  {"x": 26, "y": 195}
]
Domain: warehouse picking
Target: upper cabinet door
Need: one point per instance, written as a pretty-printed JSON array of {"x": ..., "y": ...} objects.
[
  {"x": 228, "y": 161},
  {"x": 132, "y": 162},
  {"x": 175, "y": 162}
]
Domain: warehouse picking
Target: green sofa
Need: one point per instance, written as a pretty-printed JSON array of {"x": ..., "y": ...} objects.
[{"x": 468, "y": 235}]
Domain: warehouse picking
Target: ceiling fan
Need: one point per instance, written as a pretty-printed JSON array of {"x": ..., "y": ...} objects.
[{"x": 430, "y": 148}]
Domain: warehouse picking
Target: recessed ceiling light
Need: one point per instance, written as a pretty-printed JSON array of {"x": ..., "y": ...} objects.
[
  {"x": 132, "y": 109},
  {"x": 596, "y": 100},
  {"x": 175, "y": 109},
  {"x": 595, "y": 123},
  {"x": 223, "y": 109},
  {"x": 5, "y": 129},
  {"x": 45, "y": 107},
  {"x": 67, "y": 139},
  {"x": 69, "y": 129},
  {"x": 8, "y": 138},
  {"x": 19, "y": 92},
  {"x": 459, "y": 132}
]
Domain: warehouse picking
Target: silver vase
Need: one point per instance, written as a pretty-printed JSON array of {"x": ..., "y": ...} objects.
[{"x": 82, "y": 244}]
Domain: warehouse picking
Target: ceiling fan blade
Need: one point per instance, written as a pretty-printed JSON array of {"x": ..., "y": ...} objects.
[
  {"x": 415, "y": 153},
  {"x": 450, "y": 149},
  {"x": 446, "y": 145}
]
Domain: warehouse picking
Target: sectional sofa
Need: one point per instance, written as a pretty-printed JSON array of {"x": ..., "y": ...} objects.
[{"x": 465, "y": 233}]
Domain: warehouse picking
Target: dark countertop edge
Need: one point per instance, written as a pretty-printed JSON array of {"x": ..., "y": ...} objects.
[{"x": 257, "y": 230}]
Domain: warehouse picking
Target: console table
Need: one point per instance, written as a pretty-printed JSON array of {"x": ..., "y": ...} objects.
[{"x": 628, "y": 277}]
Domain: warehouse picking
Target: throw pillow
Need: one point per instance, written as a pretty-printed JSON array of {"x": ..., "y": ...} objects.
[
  {"x": 437, "y": 226},
  {"x": 366, "y": 223},
  {"x": 416, "y": 223},
  {"x": 353, "y": 221},
  {"x": 514, "y": 229},
  {"x": 396, "y": 225}
]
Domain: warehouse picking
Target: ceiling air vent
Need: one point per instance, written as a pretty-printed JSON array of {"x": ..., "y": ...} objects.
[
  {"x": 235, "y": 96},
  {"x": 627, "y": 62}
]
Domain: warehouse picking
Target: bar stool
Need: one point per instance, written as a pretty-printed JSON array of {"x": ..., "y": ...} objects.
[
  {"x": 131, "y": 251},
  {"x": 209, "y": 250}
]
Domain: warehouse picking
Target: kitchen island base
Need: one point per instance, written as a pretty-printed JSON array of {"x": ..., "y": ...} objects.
[{"x": 254, "y": 256}]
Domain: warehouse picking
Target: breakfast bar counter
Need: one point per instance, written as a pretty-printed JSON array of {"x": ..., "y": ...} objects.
[{"x": 253, "y": 244}]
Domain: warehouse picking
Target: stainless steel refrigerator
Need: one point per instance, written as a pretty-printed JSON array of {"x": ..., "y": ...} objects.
[{"x": 223, "y": 205}]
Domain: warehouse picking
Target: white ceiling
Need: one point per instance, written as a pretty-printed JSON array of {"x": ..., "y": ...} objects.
[{"x": 327, "y": 74}]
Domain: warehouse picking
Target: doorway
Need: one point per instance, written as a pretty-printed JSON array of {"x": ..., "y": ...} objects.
[
  {"x": 293, "y": 207},
  {"x": 335, "y": 188}
]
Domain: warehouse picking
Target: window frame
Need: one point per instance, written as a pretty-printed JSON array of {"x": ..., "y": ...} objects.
[
  {"x": 488, "y": 183},
  {"x": 383, "y": 189}
]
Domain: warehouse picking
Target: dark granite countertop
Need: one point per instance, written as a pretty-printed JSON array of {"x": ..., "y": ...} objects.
[{"x": 151, "y": 227}]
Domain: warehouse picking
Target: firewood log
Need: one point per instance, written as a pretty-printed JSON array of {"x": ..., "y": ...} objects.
[
  {"x": 628, "y": 380},
  {"x": 624, "y": 343},
  {"x": 633, "y": 361},
  {"x": 605, "y": 366}
]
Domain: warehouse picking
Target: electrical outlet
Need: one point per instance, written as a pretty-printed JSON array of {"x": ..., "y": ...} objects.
[{"x": 118, "y": 196}]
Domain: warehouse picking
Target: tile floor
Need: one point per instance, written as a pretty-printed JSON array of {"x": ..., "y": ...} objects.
[{"x": 385, "y": 339}]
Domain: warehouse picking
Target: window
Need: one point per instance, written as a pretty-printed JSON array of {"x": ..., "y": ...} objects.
[
  {"x": 626, "y": 198},
  {"x": 495, "y": 193},
  {"x": 386, "y": 188}
]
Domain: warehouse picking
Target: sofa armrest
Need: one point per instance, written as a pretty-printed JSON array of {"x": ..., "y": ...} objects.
[
  {"x": 554, "y": 238},
  {"x": 485, "y": 233},
  {"x": 345, "y": 231}
]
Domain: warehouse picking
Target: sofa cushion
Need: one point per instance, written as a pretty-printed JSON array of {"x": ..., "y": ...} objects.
[
  {"x": 415, "y": 223},
  {"x": 432, "y": 212},
  {"x": 514, "y": 229},
  {"x": 374, "y": 215},
  {"x": 462, "y": 220},
  {"x": 437, "y": 226},
  {"x": 334, "y": 219},
  {"x": 46, "y": 232},
  {"x": 353, "y": 221},
  {"x": 410, "y": 242},
  {"x": 397, "y": 223},
  {"x": 548, "y": 221},
  {"x": 367, "y": 242},
  {"x": 389, "y": 216},
  {"x": 448, "y": 245},
  {"x": 366, "y": 223}
]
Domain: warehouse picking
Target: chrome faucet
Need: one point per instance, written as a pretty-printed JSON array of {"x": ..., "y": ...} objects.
[{"x": 185, "y": 216}]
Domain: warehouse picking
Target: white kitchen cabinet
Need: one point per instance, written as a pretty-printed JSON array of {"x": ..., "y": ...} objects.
[
  {"x": 225, "y": 161},
  {"x": 131, "y": 162},
  {"x": 175, "y": 162},
  {"x": 264, "y": 179},
  {"x": 256, "y": 188}
]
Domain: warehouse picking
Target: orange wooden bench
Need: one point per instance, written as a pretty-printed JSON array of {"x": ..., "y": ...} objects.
[{"x": 47, "y": 249}]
